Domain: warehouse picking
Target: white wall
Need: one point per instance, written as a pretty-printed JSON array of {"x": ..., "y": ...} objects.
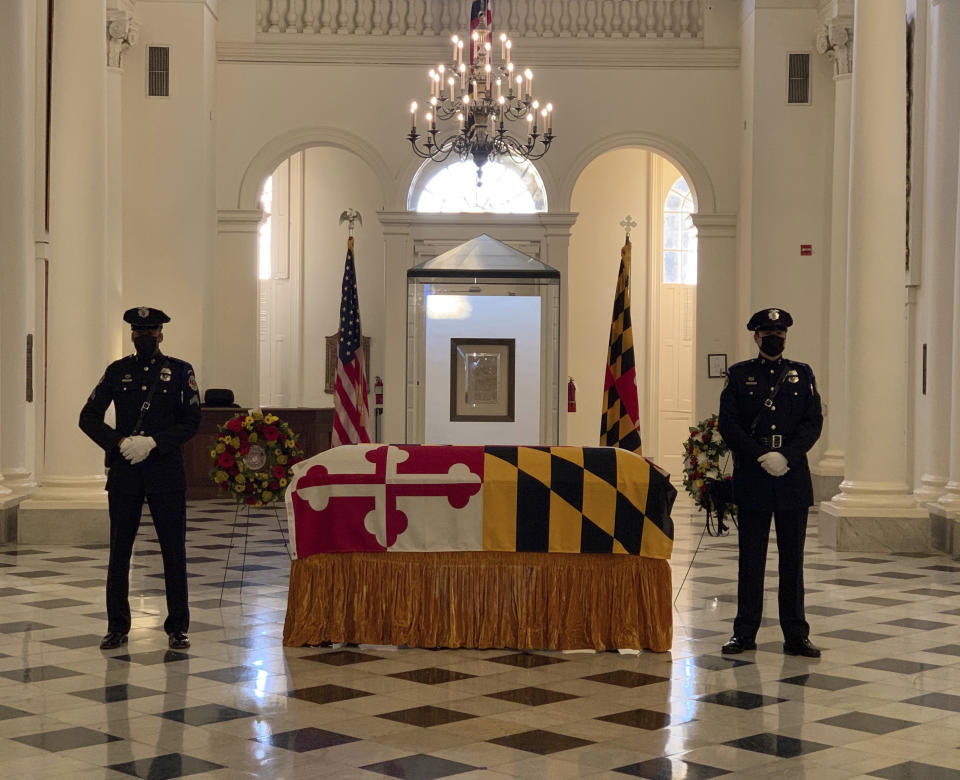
[
  {"x": 786, "y": 157},
  {"x": 612, "y": 186},
  {"x": 335, "y": 180},
  {"x": 790, "y": 206},
  {"x": 168, "y": 168}
]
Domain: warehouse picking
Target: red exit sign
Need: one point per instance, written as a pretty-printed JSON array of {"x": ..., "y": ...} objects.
[{"x": 806, "y": 249}]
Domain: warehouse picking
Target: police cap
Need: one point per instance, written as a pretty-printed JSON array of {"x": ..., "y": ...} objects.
[
  {"x": 145, "y": 317},
  {"x": 770, "y": 319}
]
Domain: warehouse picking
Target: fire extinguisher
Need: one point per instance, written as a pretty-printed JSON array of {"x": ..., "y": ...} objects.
[
  {"x": 377, "y": 406},
  {"x": 571, "y": 396}
]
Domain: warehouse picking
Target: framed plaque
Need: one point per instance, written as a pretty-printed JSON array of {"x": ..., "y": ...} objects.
[
  {"x": 482, "y": 380},
  {"x": 716, "y": 365}
]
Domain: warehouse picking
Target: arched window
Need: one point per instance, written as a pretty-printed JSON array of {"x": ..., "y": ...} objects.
[
  {"x": 679, "y": 236},
  {"x": 506, "y": 187}
]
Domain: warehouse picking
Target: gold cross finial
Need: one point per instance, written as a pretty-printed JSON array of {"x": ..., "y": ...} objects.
[{"x": 628, "y": 223}]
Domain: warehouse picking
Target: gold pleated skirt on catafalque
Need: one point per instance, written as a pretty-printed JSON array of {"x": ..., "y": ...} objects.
[{"x": 555, "y": 601}]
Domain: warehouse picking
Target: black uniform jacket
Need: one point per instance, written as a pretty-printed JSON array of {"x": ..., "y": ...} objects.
[
  {"x": 172, "y": 419},
  {"x": 795, "y": 416}
]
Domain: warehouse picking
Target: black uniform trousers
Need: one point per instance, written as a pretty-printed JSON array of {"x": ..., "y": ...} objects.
[
  {"x": 754, "y": 532},
  {"x": 169, "y": 512}
]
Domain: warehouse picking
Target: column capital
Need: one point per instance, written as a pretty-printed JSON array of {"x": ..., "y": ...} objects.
[
  {"x": 835, "y": 40},
  {"x": 123, "y": 31}
]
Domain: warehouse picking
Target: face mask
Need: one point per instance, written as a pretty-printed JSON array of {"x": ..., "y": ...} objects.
[
  {"x": 145, "y": 344},
  {"x": 772, "y": 345}
]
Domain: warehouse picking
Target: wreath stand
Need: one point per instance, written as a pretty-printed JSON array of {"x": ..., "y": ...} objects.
[
  {"x": 246, "y": 536},
  {"x": 714, "y": 526}
]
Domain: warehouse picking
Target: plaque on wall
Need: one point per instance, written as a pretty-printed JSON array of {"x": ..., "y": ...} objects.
[
  {"x": 330, "y": 374},
  {"x": 482, "y": 380}
]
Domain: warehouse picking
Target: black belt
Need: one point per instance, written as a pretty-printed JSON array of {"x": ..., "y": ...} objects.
[{"x": 774, "y": 442}]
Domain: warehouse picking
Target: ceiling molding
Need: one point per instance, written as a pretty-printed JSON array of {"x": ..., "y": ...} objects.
[{"x": 540, "y": 53}]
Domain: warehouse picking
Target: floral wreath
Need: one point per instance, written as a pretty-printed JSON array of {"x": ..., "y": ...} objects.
[
  {"x": 252, "y": 456},
  {"x": 705, "y": 462}
]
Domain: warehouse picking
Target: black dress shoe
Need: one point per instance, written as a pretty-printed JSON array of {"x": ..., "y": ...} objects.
[
  {"x": 178, "y": 641},
  {"x": 801, "y": 647},
  {"x": 112, "y": 640},
  {"x": 738, "y": 644}
]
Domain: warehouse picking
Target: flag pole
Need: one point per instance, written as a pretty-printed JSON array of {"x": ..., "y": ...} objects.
[{"x": 350, "y": 384}]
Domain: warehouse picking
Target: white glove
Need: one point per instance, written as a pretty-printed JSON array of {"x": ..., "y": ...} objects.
[
  {"x": 774, "y": 463},
  {"x": 136, "y": 448}
]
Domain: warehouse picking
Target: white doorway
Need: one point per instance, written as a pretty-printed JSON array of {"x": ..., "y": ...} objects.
[{"x": 675, "y": 260}]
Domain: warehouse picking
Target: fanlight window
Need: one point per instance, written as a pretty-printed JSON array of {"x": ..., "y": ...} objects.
[
  {"x": 679, "y": 236},
  {"x": 506, "y": 187}
]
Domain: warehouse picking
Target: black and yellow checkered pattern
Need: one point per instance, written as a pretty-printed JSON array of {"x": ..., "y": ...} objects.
[
  {"x": 575, "y": 500},
  {"x": 618, "y": 428}
]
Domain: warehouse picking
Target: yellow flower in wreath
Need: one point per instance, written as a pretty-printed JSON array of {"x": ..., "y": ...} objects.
[
  {"x": 270, "y": 419},
  {"x": 267, "y": 495},
  {"x": 220, "y": 447},
  {"x": 252, "y": 438},
  {"x": 281, "y": 459},
  {"x": 220, "y": 476},
  {"x": 282, "y": 482}
]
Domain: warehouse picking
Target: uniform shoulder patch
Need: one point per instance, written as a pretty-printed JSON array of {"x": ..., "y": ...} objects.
[{"x": 192, "y": 382}]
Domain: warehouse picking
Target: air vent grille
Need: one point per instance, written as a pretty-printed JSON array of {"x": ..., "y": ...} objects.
[
  {"x": 158, "y": 71},
  {"x": 798, "y": 79}
]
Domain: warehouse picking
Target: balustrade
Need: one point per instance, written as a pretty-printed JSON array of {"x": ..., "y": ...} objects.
[{"x": 659, "y": 19}]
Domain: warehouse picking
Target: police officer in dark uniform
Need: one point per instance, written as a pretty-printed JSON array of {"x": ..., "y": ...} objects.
[
  {"x": 770, "y": 416},
  {"x": 157, "y": 405}
]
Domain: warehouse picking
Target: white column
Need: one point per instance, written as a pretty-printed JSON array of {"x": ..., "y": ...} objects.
[
  {"x": 875, "y": 509},
  {"x": 557, "y": 229},
  {"x": 122, "y": 33},
  {"x": 17, "y": 132},
  {"x": 936, "y": 258},
  {"x": 949, "y": 502},
  {"x": 70, "y": 504},
  {"x": 835, "y": 41},
  {"x": 398, "y": 257}
]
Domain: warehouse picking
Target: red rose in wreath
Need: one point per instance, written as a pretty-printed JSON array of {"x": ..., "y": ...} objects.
[
  {"x": 235, "y": 424},
  {"x": 271, "y": 433},
  {"x": 225, "y": 460}
]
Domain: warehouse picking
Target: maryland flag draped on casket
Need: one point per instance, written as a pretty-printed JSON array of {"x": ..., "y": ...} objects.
[
  {"x": 369, "y": 498},
  {"x": 473, "y": 546}
]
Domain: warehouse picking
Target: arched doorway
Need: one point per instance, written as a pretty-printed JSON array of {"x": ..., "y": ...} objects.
[
  {"x": 660, "y": 198},
  {"x": 300, "y": 262}
]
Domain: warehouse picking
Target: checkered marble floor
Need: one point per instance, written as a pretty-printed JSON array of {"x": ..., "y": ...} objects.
[{"x": 883, "y": 701}]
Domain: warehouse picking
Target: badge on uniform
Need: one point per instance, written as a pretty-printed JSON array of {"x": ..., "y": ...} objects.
[
  {"x": 192, "y": 382},
  {"x": 793, "y": 376},
  {"x": 127, "y": 378},
  {"x": 165, "y": 374},
  {"x": 751, "y": 380}
]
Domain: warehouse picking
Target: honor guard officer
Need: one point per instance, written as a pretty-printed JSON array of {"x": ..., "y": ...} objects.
[
  {"x": 157, "y": 409},
  {"x": 770, "y": 416}
]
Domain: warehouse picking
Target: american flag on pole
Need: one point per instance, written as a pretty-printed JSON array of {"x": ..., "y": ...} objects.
[
  {"x": 621, "y": 407},
  {"x": 350, "y": 386},
  {"x": 477, "y": 10}
]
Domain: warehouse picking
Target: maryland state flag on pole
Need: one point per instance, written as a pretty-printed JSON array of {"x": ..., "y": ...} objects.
[
  {"x": 621, "y": 409},
  {"x": 350, "y": 386}
]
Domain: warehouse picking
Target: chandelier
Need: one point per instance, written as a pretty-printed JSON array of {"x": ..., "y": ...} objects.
[{"x": 485, "y": 97}]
